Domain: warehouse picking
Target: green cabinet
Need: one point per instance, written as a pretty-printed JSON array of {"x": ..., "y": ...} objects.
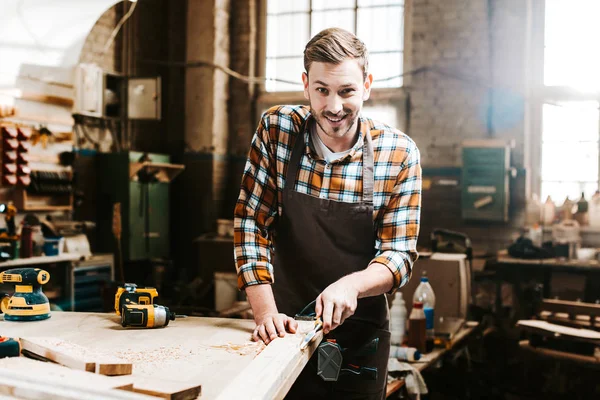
[
  {"x": 144, "y": 208},
  {"x": 485, "y": 180}
]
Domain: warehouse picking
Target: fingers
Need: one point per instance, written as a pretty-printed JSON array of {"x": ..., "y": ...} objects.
[
  {"x": 337, "y": 317},
  {"x": 280, "y": 326},
  {"x": 327, "y": 316},
  {"x": 271, "y": 331},
  {"x": 319, "y": 306},
  {"x": 292, "y": 325},
  {"x": 255, "y": 335},
  {"x": 262, "y": 332}
]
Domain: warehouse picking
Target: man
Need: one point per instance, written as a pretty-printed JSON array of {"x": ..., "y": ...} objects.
[{"x": 336, "y": 196}]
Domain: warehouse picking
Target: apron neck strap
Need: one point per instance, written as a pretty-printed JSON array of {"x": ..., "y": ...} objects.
[{"x": 298, "y": 151}]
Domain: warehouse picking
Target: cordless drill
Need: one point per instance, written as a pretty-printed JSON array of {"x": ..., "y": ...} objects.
[
  {"x": 146, "y": 316},
  {"x": 130, "y": 294},
  {"x": 28, "y": 303}
]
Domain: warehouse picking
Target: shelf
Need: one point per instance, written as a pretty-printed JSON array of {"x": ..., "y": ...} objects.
[{"x": 35, "y": 202}]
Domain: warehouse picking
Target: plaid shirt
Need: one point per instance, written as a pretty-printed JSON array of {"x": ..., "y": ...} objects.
[{"x": 396, "y": 193}]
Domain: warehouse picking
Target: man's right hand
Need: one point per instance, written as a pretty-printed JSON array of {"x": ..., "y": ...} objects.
[{"x": 272, "y": 325}]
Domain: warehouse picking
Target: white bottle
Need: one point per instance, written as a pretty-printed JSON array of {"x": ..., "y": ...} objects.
[
  {"x": 534, "y": 211},
  {"x": 405, "y": 353},
  {"x": 594, "y": 210},
  {"x": 398, "y": 319},
  {"x": 425, "y": 295},
  {"x": 548, "y": 212}
]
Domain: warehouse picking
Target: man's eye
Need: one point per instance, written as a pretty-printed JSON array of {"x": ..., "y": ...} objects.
[
  {"x": 322, "y": 90},
  {"x": 347, "y": 91}
]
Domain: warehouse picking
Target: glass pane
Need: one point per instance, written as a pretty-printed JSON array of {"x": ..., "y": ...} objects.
[
  {"x": 330, "y": 19},
  {"x": 289, "y": 69},
  {"x": 571, "y": 34},
  {"x": 386, "y": 66},
  {"x": 286, "y": 35},
  {"x": 332, "y": 4},
  {"x": 367, "y": 3},
  {"x": 280, "y": 6},
  {"x": 576, "y": 161},
  {"x": 382, "y": 113},
  {"x": 560, "y": 190},
  {"x": 570, "y": 121},
  {"x": 382, "y": 29}
]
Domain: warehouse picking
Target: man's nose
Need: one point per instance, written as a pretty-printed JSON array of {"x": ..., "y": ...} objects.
[{"x": 335, "y": 105}]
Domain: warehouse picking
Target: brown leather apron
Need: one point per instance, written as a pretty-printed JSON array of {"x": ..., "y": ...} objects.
[{"x": 317, "y": 242}]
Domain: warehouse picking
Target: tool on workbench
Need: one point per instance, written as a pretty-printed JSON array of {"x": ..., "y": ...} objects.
[
  {"x": 130, "y": 294},
  {"x": 28, "y": 303},
  {"x": 9, "y": 347},
  {"x": 330, "y": 354},
  {"x": 146, "y": 316}
]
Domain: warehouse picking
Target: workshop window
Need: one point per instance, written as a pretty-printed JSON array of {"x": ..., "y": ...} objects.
[
  {"x": 569, "y": 107},
  {"x": 291, "y": 24}
]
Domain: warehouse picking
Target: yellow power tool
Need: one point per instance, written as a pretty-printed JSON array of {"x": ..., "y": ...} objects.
[
  {"x": 146, "y": 316},
  {"x": 28, "y": 303},
  {"x": 130, "y": 294}
]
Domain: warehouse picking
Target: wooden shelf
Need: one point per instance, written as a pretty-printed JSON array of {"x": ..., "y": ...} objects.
[{"x": 33, "y": 202}]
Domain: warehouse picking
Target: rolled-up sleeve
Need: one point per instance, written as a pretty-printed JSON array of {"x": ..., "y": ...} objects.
[
  {"x": 398, "y": 230},
  {"x": 255, "y": 211}
]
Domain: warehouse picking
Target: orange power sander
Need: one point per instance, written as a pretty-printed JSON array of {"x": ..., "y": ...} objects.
[{"x": 28, "y": 303}]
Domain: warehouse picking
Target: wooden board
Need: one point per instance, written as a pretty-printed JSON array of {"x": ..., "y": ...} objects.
[
  {"x": 165, "y": 389},
  {"x": 39, "y": 386},
  {"x": 210, "y": 352},
  {"x": 274, "y": 370},
  {"x": 26, "y": 366},
  {"x": 75, "y": 356}
]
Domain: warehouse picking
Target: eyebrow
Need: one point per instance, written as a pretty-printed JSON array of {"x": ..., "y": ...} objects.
[{"x": 343, "y": 86}]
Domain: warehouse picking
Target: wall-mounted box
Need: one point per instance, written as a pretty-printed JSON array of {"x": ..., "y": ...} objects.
[{"x": 485, "y": 180}]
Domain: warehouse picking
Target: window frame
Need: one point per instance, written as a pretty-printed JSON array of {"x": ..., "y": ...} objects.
[
  {"x": 541, "y": 94},
  {"x": 265, "y": 97}
]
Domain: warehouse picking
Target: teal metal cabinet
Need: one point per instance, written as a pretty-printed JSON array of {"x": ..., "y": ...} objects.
[
  {"x": 485, "y": 180},
  {"x": 144, "y": 218}
]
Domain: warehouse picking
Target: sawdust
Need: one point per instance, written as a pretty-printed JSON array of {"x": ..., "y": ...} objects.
[{"x": 242, "y": 349}]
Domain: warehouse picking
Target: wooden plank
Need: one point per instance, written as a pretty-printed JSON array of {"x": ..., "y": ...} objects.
[
  {"x": 26, "y": 366},
  {"x": 38, "y": 387},
  {"x": 193, "y": 350},
  {"x": 275, "y": 369},
  {"x": 166, "y": 389},
  {"x": 74, "y": 356}
]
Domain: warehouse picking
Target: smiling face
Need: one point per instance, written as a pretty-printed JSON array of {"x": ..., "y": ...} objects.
[{"x": 336, "y": 93}]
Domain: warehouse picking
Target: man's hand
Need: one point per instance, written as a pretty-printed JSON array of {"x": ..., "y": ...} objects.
[
  {"x": 336, "y": 303},
  {"x": 273, "y": 325}
]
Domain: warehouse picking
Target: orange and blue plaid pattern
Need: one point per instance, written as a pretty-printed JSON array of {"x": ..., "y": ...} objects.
[{"x": 396, "y": 192}]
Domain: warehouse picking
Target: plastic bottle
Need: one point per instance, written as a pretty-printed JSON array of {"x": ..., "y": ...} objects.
[
  {"x": 548, "y": 212},
  {"x": 405, "y": 353},
  {"x": 425, "y": 295},
  {"x": 594, "y": 210},
  {"x": 417, "y": 327},
  {"x": 581, "y": 215},
  {"x": 398, "y": 319},
  {"x": 566, "y": 210},
  {"x": 534, "y": 211}
]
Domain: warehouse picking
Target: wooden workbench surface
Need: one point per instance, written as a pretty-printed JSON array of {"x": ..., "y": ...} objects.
[{"x": 206, "y": 351}]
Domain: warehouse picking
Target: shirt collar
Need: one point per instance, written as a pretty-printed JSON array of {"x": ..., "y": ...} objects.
[{"x": 310, "y": 150}]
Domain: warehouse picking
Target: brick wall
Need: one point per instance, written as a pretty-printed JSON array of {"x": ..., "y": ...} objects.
[
  {"x": 92, "y": 51},
  {"x": 474, "y": 53}
]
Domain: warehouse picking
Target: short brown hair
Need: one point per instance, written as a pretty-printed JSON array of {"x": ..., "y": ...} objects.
[{"x": 334, "y": 45}]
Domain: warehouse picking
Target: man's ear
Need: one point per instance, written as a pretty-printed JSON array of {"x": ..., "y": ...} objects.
[
  {"x": 305, "y": 82},
  {"x": 368, "y": 83}
]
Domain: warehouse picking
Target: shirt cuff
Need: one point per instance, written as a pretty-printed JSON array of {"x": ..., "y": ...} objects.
[
  {"x": 254, "y": 273},
  {"x": 399, "y": 263}
]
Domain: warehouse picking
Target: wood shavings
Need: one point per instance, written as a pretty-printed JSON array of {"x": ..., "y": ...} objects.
[{"x": 242, "y": 349}]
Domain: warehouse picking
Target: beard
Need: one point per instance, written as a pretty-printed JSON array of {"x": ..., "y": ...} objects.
[{"x": 347, "y": 123}]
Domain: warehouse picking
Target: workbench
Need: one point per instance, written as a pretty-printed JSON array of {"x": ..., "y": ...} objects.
[
  {"x": 546, "y": 271},
  {"x": 436, "y": 355},
  {"x": 216, "y": 353}
]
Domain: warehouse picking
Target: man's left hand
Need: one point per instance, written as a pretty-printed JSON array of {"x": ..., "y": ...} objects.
[{"x": 336, "y": 303}]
